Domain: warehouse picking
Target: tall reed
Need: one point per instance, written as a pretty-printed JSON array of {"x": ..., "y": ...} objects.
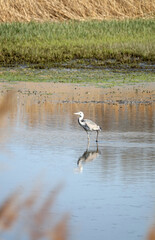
[{"x": 45, "y": 10}]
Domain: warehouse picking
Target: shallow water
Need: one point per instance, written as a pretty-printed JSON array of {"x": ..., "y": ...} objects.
[{"x": 108, "y": 188}]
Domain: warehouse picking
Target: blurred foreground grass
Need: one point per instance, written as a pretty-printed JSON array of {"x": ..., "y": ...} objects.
[{"x": 35, "y": 222}]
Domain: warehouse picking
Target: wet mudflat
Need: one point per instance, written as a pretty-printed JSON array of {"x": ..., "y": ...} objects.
[{"x": 108, "y": 188}]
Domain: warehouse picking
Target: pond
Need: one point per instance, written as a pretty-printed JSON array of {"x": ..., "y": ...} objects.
[{"x": 108, "y": 188}]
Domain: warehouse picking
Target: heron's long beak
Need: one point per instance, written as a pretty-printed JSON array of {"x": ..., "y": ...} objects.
[{"x": 76, "y": 113}]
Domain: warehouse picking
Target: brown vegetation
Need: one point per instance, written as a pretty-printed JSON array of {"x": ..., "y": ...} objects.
[
  {"x": 36, "y": 223},
  {"x": 151, "y": 234},
  {"x": 59, "y": 10}
]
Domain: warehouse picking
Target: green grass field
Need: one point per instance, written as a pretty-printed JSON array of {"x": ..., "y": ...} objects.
[{"x": 99, "y": 42}]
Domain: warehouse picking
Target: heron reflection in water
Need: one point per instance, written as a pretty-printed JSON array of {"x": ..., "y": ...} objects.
[{"x": 87, "y": 156}]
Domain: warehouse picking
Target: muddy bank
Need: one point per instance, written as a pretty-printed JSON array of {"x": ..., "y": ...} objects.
[{"x": 77, "y": 93}]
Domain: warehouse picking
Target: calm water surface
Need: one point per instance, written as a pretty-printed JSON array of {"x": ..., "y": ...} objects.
[{"x": 109, "y": 188}]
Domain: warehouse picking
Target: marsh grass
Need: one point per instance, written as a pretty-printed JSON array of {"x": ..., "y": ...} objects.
[
  {"x": 50, "y": 44},
  {"x": 59, "y": 10}
]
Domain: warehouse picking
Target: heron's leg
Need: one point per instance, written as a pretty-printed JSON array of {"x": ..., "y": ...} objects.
[
  {"x": 97, "y": 147},
  {"x": 88, "y": 137},
  {"x": 97, "y": 136},
  {"x": 88, "y": 143}
]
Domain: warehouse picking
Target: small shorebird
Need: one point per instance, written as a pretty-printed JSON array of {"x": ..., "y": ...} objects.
[{"x": 88, "y": 125}]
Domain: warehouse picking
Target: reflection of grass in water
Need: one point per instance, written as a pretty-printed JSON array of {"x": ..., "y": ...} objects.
[
  {"x": 6, "y": 104},
  {"x": 95, "y": 76},
  {"x": 7, "y": 107}
]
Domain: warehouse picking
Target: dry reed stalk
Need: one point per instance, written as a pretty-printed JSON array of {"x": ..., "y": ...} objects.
[
  {"x": 59, "y": 10},
  {"x": 37, "y": 223},
  {"x": 60, "y": 232},
  {"x": 8, "y": 212},
  {"x": 151, "y": 234}
]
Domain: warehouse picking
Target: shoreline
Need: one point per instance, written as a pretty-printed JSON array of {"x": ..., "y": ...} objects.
[{"x": 41, "y": 92}]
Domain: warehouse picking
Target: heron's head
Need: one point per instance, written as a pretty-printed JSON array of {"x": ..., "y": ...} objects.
[{"x": 81, "y": 114}]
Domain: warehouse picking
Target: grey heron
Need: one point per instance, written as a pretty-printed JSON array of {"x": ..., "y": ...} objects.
[{"x": 88, "y": 125}]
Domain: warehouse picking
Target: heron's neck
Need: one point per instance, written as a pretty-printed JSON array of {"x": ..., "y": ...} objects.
[{"x": 80, "y": 120}]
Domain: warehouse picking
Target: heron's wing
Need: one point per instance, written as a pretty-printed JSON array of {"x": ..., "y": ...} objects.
[{"x": 91, "y": 125}]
